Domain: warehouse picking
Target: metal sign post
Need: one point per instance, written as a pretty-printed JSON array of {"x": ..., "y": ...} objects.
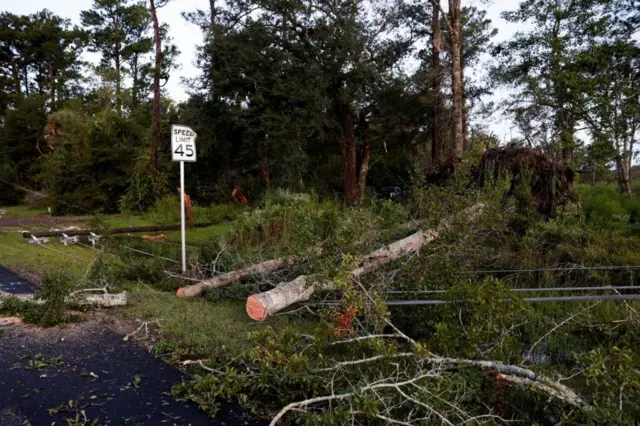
[{"x": 183, "y": 148}]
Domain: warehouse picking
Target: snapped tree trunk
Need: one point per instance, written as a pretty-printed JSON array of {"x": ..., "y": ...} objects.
[
  {"x": 261, "y": 305},
  {"x": 436, "y": 85},
  {"x": 84, "y": 299},
  {"x": 456, "y": 75},
  {"x": 156, "y": 90},
  {"x": 265, "y": 267}
]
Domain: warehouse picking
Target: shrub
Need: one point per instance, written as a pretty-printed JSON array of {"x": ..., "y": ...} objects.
[
  {"x": 55, "y": 288},
  {"x": 144, "y": 189},
  {"x": 166, "y": 211}
]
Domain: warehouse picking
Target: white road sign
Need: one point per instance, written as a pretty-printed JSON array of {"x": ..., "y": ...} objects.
[{"x": 183, "y": 143}]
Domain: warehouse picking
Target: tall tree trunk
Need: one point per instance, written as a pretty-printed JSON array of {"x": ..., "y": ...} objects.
[
  {"x": 16, "y": 80},
  {"x": 52, "y": 82},
  {"x": 117, "y": 59},
  {"x": 135, "y": 75},
  {"x": 624, "y": 173},
  {"x": 25, "y": 79},
  {"x": 436, "y": 84},
  {"x": 465, "y": 111},
  {"x": 348, "y": 145},
  {"x": 456, "y": 75},
  {"x": 156, "y": 91},
  {"x": 364, "y": 171}
]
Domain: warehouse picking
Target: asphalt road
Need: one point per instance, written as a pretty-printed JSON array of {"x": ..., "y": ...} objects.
[{"x": 86, "y": 371}]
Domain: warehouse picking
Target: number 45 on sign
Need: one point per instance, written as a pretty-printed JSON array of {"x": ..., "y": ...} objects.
[{"x": 183, "y": 143}]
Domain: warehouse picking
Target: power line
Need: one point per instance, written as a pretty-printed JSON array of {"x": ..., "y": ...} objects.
[
  {"x": 566, "y": 269},
  {"x": 150, "y": 254},
  {"x": 616, "y": 297},
  {"x": 532, "y": 290},
  {"x": 182, "y": 277},
  {"x": 22, "y": 188},
  {"x": 63, "y": 253},
  {"x": 85, "y": 209}
]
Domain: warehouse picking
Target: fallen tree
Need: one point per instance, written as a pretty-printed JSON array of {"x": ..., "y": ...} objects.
[
  {"x": 428, "y": 366},
  {"x": 261, "y": 305},
  {"x": 105, "y": 300},
  {"x": 265, "y": 267}
]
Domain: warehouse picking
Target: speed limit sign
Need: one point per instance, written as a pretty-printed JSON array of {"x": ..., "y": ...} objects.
[
  {"x": 183, "y": 143},
  {"x": 183, "y": 149}
]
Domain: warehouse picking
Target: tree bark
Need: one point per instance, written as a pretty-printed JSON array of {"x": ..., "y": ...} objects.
[
  {"x": 25, "y": 80},
  {"x": 117, "y": 54},
  {"x": 456, "y": 75},
  {"x": 624, "y": 174},
  {"x": 436, "y": 85},
  {"x": 16, "y": 79},
  {"x": 364, "y": 171},
  {"x": 156, "y": 91},
  {"x": 52, "y": 82},
  {"x": 100, "y": 300},
  {"x": 265, "y": 267},
  {"x": 261, "y": 305},
  {"x": 348, "y": 144}
]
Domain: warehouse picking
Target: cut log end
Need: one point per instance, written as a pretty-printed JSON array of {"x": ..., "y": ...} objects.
[
  {"x": 190, "y": 290},
  {"x": 255, "y": 309}
]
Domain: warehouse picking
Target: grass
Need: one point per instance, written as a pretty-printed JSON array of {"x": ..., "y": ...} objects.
[
  {"x": 14, "y": 250},
  {"x": 196, "y": 328},
  {"x": 192, "y": 328},
  {"x": 23, "y": 211}
]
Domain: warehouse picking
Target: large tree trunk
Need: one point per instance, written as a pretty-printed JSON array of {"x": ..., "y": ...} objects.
[
  {"x": 225, "y": 279},
  {"x": 456, "y": 75},
  {"x": 84, "y": 299},
  {"x": 364, "y": 171},
  {"x": 156, "y": 91},
  {"x": 265, "y": 267},
  {"x": 624, "y": 174},
  {"x": 436, "y": 85},
  {"x": 348, "y": 145},
  {"x": 261, "y": 305}
]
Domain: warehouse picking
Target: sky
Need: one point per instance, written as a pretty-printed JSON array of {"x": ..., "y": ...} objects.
[{"x": 187, "y": 36}]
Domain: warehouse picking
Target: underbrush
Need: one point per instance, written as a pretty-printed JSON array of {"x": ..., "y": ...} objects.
[
  {"x": 483, "y": 352},
  {"x": 166, "y": 211},
  {"x": 605, "y": 206},
  {"x": 50, "y": 307},
  {"x": 369, "y": 363}
]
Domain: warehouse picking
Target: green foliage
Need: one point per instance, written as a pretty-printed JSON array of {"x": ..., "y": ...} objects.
[
  {"x": 606, "y": 207},
  {"x": 55, "y": 288},
  {"x": 101, "y": 149},
  {"x": 144, "y": 189},
  {"x": 166, "y": 211},
  {"x": 295, "y": 221}
]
